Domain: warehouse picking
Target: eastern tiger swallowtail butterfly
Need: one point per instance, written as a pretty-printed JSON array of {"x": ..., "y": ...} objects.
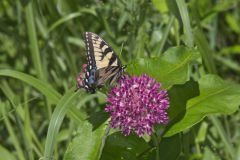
[{"x": 103, "y": 65}]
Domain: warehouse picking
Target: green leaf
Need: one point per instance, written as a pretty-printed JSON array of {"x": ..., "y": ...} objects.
[
  {"x": 182, "y": 6},
  {"x": 202, "y": 132},
  {"x": 235, "y": 49},
  {"x": 216, "y": 96},
  {"x": 173, "y": 8},
  {"x": 86, "y": 145},
  {"x": 5, "y": 154},
  {"x": 228, "y": 62},
  {"x": 24, "y": 2},
  {"x": 233, "y": 23},
  {"x": 98, "y": 118},
  {"x": 161, "y": 5},
  {"x": 70, "y": 17},
  {"x": 204, "y": 49},
  {"x": 165, "y": 147},
  {"x": 179, "y": 95},
  {"x": 169, "y": 69},
  {"x": 209, "y": 154},
  {"x": 40, "y": 85},
  {"x": 120, "y": 147},
  {"x": 13, "y": 134},
  {"x": 32, "y": 34},
  {"x": 58, "y": 115}
]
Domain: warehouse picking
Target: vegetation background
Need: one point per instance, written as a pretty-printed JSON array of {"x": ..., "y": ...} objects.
[{"x": 42, "y": 51}]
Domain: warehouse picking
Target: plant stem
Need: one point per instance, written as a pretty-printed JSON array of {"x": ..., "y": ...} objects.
[
  {"x": 156, "y": 142},
  {"x": 104, "y": 140}
]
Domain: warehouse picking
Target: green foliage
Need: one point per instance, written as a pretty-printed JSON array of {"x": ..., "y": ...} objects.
[
  {"x": 216, "y": 96},
  {"x": 43, "y": 87},
  {"x": 190, "y": 47},
  {"x": 169, "y": 69},
  {"x": 87, "y": 143},
  {"x": 117, "y": 144},
  {"x": 5, "y": 154},
  {"x": 56, "y": 120}
]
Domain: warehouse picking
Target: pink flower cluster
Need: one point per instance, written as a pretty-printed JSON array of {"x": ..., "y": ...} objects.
[{"x": 136, "y": 104}]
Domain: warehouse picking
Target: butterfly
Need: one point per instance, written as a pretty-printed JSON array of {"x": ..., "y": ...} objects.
[{"x": 103, "y": 64}]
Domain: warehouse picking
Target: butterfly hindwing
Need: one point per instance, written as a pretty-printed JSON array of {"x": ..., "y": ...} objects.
[
  {"x": 103, "y": 63},
  {"x": 110, "y": 74}
]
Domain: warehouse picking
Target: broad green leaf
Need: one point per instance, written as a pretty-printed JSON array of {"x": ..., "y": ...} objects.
[
  {"x": 166, "y": 151},
  {"x": 87, "y": 144},
  {"x": 98, "y": 118},
  {"x": 179, "y": 95},
  {"x": 216, "y": 96},
  {"x": 169, "y": 69},
  {"x": 120, "y": 147},
  {"x": 165, "y": 147}
]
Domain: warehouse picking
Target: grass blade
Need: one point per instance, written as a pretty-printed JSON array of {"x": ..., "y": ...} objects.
[
  {"x": 223, "y": 136},
  {"x": 205, "y": 51},
  {"x": 56, "y": 120},
  {"x": 33, "y": 41},
  {"x": 43, "y": 87},
  {"x": 186, "y": 22},
  {"x": 13, "y": 136},
  {"x": 70, "y": 17},
  {"x": 165, "y": 35}
]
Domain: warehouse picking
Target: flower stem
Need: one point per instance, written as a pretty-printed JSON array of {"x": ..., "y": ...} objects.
[
  {"x": 156, "y": 143},
  {"x": 104, "y": 140}
]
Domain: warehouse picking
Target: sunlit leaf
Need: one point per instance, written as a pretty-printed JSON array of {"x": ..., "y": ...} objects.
[
  {"x": 169, "y": 69},
  {"x": 216, "y": 96},
  {"x": 161, "y": 5}
]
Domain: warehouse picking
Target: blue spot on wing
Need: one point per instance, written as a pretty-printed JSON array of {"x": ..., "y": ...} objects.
[{"x": 91, "y": 80}]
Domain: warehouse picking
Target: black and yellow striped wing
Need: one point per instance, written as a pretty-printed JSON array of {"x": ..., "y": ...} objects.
[{"x": 103, "y": 63}]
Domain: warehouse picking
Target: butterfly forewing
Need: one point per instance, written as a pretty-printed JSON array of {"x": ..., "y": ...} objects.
[
  {"x": 100, "y": 52},
  {"x": 103, "y": 63}
]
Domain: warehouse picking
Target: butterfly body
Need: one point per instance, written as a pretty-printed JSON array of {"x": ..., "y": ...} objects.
[{"x": 103, "y": 64}]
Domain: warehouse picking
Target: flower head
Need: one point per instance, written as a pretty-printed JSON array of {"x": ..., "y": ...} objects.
[
  {"x": 136, "y": 104},
  {"x": 81, "y": 76}
]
